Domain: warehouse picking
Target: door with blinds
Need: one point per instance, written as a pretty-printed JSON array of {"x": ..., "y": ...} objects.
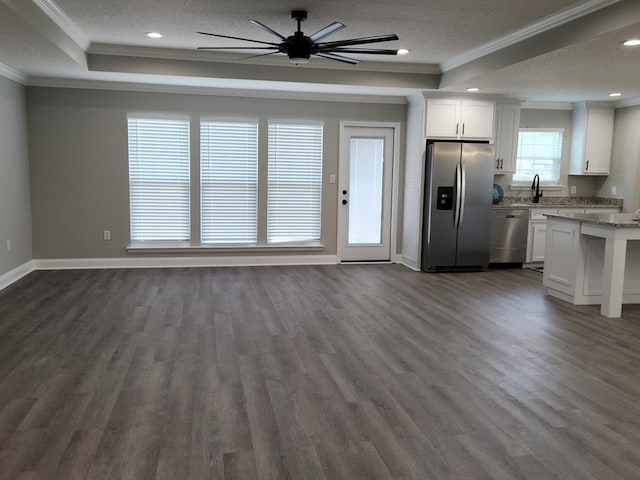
[{"x": 364, "y": 196}]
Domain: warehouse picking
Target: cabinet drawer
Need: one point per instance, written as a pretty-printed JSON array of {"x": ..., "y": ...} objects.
[
  {"x": 570, "y": 210},
  {"x": 538, "y": 213},
  {"x": 602, "y": 210}
]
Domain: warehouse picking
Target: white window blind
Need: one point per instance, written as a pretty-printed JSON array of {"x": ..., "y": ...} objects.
[
  {"x": 295, "y": 182},
  {"x": 229, "y": 181},
  {"x": 539, "y": 152},
  {"x": 159, "y": 179}
]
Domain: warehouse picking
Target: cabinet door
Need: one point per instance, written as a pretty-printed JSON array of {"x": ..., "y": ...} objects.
[
  {"x": 443, "y": 118},
  {"x": 537, "y": 240},
  {"x": 507, "y": 138},
  {"x": 477, "y": 119},
  {"x": 599, "y": 141}
]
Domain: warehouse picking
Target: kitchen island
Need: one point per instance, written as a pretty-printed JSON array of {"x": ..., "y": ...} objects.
[{"x": 593, "y": 259}]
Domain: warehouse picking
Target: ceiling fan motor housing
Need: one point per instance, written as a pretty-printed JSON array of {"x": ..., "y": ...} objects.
[{"x": 298, "y": 45}]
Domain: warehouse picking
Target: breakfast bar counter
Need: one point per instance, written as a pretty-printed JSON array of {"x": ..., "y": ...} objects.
[{"x": 593, "y": 259}]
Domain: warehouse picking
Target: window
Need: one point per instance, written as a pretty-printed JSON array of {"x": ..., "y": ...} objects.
[
  {"x": 159, "y": 179},
  {"x": 294, "y": 182},
  {"x": 228, "y": 181},
  {"x": 539, "y": 152}
]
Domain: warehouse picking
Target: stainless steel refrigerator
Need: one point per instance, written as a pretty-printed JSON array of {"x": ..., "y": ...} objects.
[{"x": 456, "y": 229}]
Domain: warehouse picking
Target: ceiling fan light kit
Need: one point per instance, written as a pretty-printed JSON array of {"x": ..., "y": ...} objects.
[{"x": 300, "y": 47}]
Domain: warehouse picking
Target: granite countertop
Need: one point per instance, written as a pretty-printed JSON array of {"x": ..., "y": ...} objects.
[
  {"x": 622, "y": 220},
  {"x": 560, "y": 202}
]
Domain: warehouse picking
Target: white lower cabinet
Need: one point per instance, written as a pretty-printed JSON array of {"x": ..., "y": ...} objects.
[
  {"x": 537, "y": 234},
  {"x": 560, "y": 271},
  {"x": 537, "y": 237},
  {"x": 536, "y": 241}
]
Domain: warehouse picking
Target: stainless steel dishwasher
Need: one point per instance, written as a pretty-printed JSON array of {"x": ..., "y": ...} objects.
[{"x": 509, "y": 235}]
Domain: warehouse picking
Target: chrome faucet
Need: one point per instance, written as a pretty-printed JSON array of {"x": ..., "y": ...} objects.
[{"x": 536, "y": 186}]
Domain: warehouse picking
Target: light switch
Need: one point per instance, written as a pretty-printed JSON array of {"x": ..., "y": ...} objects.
[{"x": 332, "y": 178}]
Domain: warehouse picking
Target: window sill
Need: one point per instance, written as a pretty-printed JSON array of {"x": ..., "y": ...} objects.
[
  {"x": 188, "y": 247},
  {"x": 542, "y": 187}
]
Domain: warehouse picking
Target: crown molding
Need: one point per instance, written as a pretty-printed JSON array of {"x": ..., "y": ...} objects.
[
  {"x": 630, "y": 102},
  {"x": 55, "y": 13},
  {"x": 529, "y": 31},
  {"x": 12, "y": 74},
  {"x": 532, "y": 105},
  {"x": 202, "y": 90}
]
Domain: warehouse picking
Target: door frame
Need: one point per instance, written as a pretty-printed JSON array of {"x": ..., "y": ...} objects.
[{"x": 342, "y": 160}]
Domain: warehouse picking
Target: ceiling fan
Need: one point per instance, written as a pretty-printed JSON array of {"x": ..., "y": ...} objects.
[{"x": 299, "y": 47}]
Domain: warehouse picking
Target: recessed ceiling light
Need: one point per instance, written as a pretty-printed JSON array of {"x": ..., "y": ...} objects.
[
  {"x": 615, "y": 94},
  {"x": 473, "y": 89},
  {"x": 153, "y": 34},
  {"x": 634, "y": 42},
  {"x": 403, "y": 51}
]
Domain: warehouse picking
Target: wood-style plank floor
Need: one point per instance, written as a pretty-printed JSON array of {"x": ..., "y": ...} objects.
[{"x": 313, "y": 372}]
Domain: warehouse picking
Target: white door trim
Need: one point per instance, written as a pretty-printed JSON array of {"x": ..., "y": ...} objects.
[{"x": 396, "y": 126}]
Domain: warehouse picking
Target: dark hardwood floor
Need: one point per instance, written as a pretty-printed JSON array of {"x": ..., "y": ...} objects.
[{"x": 325, "y": 372}]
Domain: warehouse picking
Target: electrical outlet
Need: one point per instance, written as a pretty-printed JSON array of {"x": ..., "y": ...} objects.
[
  {"x": 106, "y": 235},
  {"x": 573, "y": 189},
  {"x": 614, "y": 190},
  {"x": 8, "y": 244}
]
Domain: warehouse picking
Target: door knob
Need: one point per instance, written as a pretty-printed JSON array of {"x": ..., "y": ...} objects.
[
  {"x": 344, "y": 202},
  {"x": 344, "y": 192}
]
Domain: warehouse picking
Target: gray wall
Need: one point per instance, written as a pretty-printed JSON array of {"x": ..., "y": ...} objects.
[
  {"x": 79, "y": 170},
  {"x": 15, "y": 207},
  {"x": 625, "y": 168},
  {"x": 539, "y": 118}
]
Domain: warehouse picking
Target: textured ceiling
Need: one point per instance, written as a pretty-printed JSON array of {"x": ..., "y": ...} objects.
[
  {"x": 24, "y": 49},
  {"x": 433, "y": 30},
  {"x": 587, "y": 70},
  {"x": 579, "y": 61}
]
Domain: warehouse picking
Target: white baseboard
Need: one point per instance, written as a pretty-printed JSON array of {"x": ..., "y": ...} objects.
[
  {"x": 176, "y": 262},
  {"x": 409, "y": 263},
  {"x": 16, "y": 274}
]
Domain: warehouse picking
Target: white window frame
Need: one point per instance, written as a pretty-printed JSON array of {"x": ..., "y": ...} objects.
[
  {"x": 520, "y": 181},
  {"x": 277, "y": 190},
  {"x": 182, "y": 214},
  {"x": 244, "y": 197}
]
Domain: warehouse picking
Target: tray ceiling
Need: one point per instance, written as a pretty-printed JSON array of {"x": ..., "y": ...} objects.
[{"x": 548, "y": 50}]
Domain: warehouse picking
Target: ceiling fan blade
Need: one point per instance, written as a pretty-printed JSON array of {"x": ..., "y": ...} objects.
[
  {"x": 368, "y": 51},
  {"x": 340, "y": 58},
  {"x": 237, "y": 38},
  {"x": 237, "y": 48},
  {"x": 254, "y": 56},
  {"x": 356, "y": 41},
  {"x": 267, "y": 29},
  {"x": 326, "y": 31}
]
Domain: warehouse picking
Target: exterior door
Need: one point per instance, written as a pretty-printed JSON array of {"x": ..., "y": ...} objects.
[{"x": 364, "y": 195}]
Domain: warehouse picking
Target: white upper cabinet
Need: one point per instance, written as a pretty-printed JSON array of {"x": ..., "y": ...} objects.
[
  {"x": 592, "y": 140},
  {"x": 459, "y": 119},
  {"x": 507, "y": 127}
]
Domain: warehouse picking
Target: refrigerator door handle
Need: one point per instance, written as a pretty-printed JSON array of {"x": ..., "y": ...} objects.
[
  {"x": 463, "y": 187},
  {"x": 456, "y": 215}
]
